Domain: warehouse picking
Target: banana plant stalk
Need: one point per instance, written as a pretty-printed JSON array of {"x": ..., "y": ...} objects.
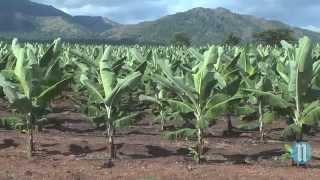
[
  {"x": 261, "y": 129},
  {"x": 110, "y": 134},
  {"x": 229, "y": 123},
  {"x": 30, "y": 144}
]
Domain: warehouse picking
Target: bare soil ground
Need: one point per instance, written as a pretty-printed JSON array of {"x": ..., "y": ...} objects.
[{"x": 76, "y": 151}]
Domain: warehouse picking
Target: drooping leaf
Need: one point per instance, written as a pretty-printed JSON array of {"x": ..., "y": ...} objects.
[
  {"x": 126, "y": 121},
  {"x": 122, "y": 86},
  {"x": 269, "y": 98},
  {"x": 311, "y": 117},
  {"x": 52, "y": 91},
  {"x": 215, "y": 109},
  {"x": 176, "y": 84},
  {"x": 92, "y": 89},
  {"x": 180, "y": 106},
  {"x": 116, "y": 67}
]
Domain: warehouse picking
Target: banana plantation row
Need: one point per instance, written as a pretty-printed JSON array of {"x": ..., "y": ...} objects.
[{"x": 195, "y": 86}]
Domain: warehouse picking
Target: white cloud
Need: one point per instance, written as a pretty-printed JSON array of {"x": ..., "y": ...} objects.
[
  {"x": 90, "y": 10},
  {"x": 312, "y": 28}
]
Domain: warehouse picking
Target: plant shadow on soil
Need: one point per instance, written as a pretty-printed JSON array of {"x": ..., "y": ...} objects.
[
  {"x": 157, "y": 152},
  {"x": 7, "y": 143},
  {"x": 246, "y": 158},
  {"x": 74, "y": 149}
]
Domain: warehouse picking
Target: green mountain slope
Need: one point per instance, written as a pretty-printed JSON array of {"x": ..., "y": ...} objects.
[
  {"x": 95, "y": 23},
  {"x": 29, "y": 20},
  {"x": 202, "y": 25}
]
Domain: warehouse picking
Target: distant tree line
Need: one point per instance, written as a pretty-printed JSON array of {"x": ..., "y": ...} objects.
[
  {"x": 232, "y": 40},
  {"x": 124, "y": 41},
  {"x": 181, "y": 39},
  {"x": 271, "y": 37}
]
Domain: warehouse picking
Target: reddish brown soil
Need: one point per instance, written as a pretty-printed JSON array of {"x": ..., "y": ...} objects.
[{"x": 75, "y": 151}]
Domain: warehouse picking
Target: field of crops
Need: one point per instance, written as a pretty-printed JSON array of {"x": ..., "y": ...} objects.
[{"x": 188, "y": 103}]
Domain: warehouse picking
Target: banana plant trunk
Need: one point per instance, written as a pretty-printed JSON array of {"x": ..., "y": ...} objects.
[
  {"x": 298, "y": 105},
  {"x": 161, "y": 120},
  {"x": 30, "y": 145},
  {"x": 199, "y": 146},
  {"x": 299, "y": 136},
  {"x": 110, "y": 137},
  {"x": 261, "y": 128},
  {"x": 200, "y": 143},
  {"x": 229, "y": 123},
  {"x": 110, "y": 143}
]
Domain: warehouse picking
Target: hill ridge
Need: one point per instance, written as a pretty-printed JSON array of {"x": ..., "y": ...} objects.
[{"x": 30, "y": 20}]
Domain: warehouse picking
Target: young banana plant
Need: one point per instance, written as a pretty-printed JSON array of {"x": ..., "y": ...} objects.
[
  {"x": 299, "y": 90},
  {"x": 153, "y": 92},
  {"x": 106, "y": 90},
  {"x": 196, "y": 94},
  {"x": 266, "y": 100},
  {"x": 300, "y": 74},
  {"x": 264, "y": 80},
  {"x": 229, "y": 70},
  {"x": 32, "y": 84},
  {"x": 159, "y": 100}
]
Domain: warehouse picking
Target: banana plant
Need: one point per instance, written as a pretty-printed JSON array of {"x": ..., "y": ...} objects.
[
  {"x": 263, "y": 79},
  {"x": 153, "y": 92},
  {"x": 105, "y": 91},
  {"x": 227, "y": 66},
  {"x": 301, "y": 76},
  {"x": 196, "y": 94},
  {"x": 299, "y": 90},
  {"x": 33, "y": 83},
  {"x": 266, "y": 100},
  {"x": 159, "y": 100}
]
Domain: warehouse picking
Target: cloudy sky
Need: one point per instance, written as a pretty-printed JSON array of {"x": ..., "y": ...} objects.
[{"x": 302, "y": 13}]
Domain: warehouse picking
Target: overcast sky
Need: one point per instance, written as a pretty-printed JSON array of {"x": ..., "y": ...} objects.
[{"x": 302, "y": 13}]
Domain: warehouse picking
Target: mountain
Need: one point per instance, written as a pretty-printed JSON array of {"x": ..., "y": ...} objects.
[
  {"x": 29, "y": 20},
  {"x": 15, "y": 15},
  {"x": 95, "y": 23},
  {"x": 27, "y": 7},
  {"x": 203, "y": 26}
]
